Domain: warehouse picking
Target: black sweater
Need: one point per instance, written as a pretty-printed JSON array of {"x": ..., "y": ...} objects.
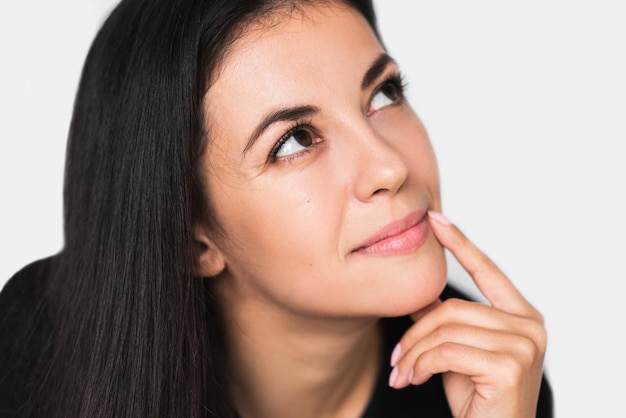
[{"x": 21, "y": 345}]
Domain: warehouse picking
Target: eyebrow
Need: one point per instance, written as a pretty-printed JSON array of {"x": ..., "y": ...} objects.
[
  {"x": 376, "y": 69},
  {"x": 300, "y": 112},
  {"x": 290, "y": 113}
]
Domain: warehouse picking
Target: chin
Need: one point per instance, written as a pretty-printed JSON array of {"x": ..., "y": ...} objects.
[
  {"x": 407, "y": 306},
  {"x": 416, "y": 290}
]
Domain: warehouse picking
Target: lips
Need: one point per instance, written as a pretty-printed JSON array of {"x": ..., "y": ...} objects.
[{"x": 399, "y": 237}]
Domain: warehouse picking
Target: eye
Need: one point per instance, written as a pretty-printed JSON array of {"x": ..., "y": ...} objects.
[
  {"x": 295, "y": 140},
  {"x": 390, "y": 92}
]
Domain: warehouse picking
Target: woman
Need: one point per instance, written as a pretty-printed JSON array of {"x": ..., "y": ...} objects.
[{"x": 253, "y": 228}]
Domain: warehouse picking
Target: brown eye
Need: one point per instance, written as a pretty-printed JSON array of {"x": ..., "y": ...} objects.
[
  {"x": 303, "y": 138},
  {"x": 293, "y": 142},
  {"x": 390, "y": 92}
]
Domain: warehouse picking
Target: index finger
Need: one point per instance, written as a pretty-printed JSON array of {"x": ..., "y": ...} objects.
[{"x": 491, "y": 281}]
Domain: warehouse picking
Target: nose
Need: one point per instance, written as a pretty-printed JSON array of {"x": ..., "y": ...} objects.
[{"x": 380, "y": 165}]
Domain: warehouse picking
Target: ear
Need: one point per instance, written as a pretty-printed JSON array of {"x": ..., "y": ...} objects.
[{"x": 209, "y": 259}]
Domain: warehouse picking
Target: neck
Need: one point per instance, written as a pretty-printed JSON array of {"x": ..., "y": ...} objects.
[{"x": 289, "y": 365}]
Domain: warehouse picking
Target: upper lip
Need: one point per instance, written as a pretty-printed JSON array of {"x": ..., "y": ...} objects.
[{"x": 394, "y": 228}]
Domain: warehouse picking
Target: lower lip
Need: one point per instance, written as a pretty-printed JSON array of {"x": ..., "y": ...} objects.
[{"x": 402, "y": 243}]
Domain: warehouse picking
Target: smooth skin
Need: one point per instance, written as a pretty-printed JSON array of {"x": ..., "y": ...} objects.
[{"x": 301, "y": 300}]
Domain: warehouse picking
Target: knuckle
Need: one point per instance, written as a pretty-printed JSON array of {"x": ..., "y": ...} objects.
[
  {"x": 537, "y": 316},
  {"x": 454, "y": 306},
  {"x": 481, "y": 264},
  {"x": 483, "y": 259},
  {"x": 446, "y": 351},
  {"x": 540, "y": 337},
  {"x": 537, "y": 333},
  {"x": 444, "y": 332},
  {"x": 527, "y": 350}
]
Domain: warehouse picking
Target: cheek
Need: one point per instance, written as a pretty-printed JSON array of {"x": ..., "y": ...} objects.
[
  {"x": 281, "y": 247},
  {"x": 277, "y": 224},
  {"x": 413, "y": 143}
]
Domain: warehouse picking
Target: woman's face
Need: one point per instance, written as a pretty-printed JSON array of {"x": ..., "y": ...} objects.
[{"x": 319, "y": 173}]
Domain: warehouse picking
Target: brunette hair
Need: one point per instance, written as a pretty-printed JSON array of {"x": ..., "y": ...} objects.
[{"x": 134, "y": 332}]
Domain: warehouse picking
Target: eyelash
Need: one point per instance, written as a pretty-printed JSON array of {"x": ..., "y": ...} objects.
[
  {"x": 397, "y": 80},
  {"x": 394, "y": 79}
]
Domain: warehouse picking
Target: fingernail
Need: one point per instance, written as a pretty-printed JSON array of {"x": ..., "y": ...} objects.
[
  {"x": 393, "y": 376},
  {"x": 395, "y": 355},
  {"x": 411, "y": 376},
  {"x": 438, "y": 216}
]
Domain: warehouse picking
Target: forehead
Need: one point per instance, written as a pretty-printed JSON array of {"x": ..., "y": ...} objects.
[
  {"x": 303, "y": 26},
  {"x": 281, "y": 59}
]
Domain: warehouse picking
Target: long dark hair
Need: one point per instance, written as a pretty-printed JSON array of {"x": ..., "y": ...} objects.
[{"x": 134, "y": 332}]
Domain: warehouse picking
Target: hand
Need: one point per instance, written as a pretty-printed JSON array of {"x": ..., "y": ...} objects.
[{"x": 491, "y": 357}]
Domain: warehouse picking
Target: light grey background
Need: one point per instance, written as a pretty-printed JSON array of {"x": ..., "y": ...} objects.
[{"x": 525, "y": 103}]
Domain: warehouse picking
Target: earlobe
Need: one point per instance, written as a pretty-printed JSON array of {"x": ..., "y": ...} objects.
[{"x": 209, "y": 259}]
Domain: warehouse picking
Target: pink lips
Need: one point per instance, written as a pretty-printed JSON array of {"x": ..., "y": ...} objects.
[{"x": 399, "y": 237}]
